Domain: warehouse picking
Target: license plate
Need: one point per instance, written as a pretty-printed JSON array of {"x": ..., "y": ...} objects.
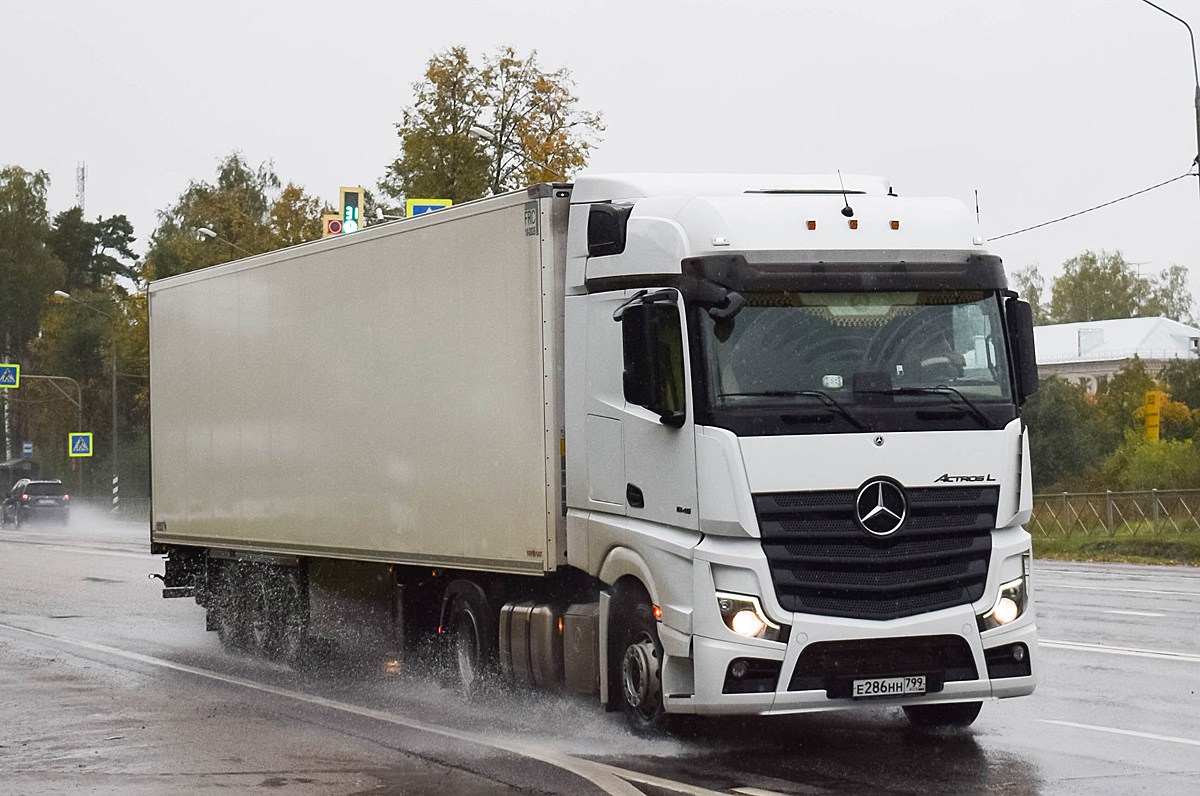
[
  {"x": 889, "y": 686},
  {"x": 45, "y": 502}
]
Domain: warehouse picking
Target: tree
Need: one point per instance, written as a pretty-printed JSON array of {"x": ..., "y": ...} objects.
[
  {"x": 1067, "y": 435},
  {"x": 1170, "y": 296},
  {"x": 440, "y": 157},
  {"x": 1102, "y": 286},
  {"x": 1181, "y": 378},
  {"x": 1119, "y": 398},
  {"x": 1032, "y": 288},
  {"x": 78, "y": 342},
  {"x": 296, "y": 216},
  {"x": 29, "y": 271},
  {"x": 92, "y": 250},
  {"x": 242, "y": 208},
  {"x": 474, "y": 130},
  {"x": 535, "y": 133}
]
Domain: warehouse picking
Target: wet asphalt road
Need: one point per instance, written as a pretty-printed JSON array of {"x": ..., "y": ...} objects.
[{"x": 106, "y": 688}]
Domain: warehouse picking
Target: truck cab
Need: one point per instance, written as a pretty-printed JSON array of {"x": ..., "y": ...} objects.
[{"x": 794, "y": 438}]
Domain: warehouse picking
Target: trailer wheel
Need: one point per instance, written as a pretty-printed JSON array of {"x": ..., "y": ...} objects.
[
  {"x": 641, "y": 671},
  {"x": 261, "y": 615},
  {"x": 230, "y": 607},
  {"x": 293, "y": 640},
  {"x": 473, "y": 644},
  {"x": 954, "y": 714}
]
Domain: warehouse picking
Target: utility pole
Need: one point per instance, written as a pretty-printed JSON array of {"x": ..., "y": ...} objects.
[
  {"x": 7, "y": 422},
  {"x": 1195, "y": 73}
]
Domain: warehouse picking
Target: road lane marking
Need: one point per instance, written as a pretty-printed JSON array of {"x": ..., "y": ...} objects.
[
  {"x": 1043, "y": 584},
  {"x": 1080, "y": 646},
  {"x": 603, "y": 777},
  {"x": 1115, "y": 731},
  {"x": 1136, "y": 613},
  {"x": 666, "y": 784}
]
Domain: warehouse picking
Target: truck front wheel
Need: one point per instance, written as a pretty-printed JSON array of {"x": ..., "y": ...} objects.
[
  {"x": 641, "y": 671},
  {"x": 954, "y": 714},
  {"x": 473, "y": 644}
]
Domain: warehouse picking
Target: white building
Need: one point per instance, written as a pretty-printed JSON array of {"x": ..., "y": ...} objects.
[{"x": 1096, "y": 350}]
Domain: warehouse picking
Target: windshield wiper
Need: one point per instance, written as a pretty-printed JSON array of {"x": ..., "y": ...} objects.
[
  {"x": 823, "y": 397},
  {"x": 941, "y": 389}
]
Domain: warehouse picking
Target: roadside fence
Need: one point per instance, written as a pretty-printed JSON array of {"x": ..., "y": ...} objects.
[{"x": 1156, "y": 513}]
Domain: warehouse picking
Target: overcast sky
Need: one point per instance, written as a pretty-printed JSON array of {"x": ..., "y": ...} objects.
[{"x": 1045, "y": 107}]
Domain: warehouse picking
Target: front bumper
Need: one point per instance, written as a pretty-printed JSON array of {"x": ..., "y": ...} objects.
[
  {"x": 959, "y": 677},
  {"x": 713, "y": 657}
]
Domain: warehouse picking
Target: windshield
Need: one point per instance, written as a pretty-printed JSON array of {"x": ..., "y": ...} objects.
[
  {"x": 858, "y": 354},
  {"x": 44, "y": 488}
]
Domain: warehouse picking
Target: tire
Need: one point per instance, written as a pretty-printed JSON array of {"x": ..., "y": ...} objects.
[
  {"x": 293, "y": 643},
  {"x": 953, "y": 714},
  {"x": 473, "y": 642},
  {"x": 261, "y": 614},
  {"x": 232, "y": 611},
  {"x": 640, "y": 671}
]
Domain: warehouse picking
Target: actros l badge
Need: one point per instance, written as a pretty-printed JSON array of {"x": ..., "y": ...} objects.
[{"x": 880, "y": 507}]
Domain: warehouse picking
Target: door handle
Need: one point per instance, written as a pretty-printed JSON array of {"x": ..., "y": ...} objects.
[{"x": 633, "y": 496}]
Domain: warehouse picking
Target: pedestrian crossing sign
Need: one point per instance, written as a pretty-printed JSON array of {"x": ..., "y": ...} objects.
[
  {"x": 80, "y": 443},
  {"x": 10, "y": 376}
]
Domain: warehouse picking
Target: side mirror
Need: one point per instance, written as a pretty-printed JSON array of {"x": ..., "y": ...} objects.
[
  {"x": 1020, "y": 340},
  {"x": 651, "y": 342}
]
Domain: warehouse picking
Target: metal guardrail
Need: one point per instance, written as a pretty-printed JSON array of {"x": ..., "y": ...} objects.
[{"x": 1156, "y": 513}]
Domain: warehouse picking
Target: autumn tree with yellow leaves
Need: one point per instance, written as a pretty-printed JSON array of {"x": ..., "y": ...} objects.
[{"x": 478, "y": 129}]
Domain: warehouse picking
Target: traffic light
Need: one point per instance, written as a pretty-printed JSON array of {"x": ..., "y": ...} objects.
[
  {"x": 351, "y": 207},
  {"x": 331, "y": 224}
]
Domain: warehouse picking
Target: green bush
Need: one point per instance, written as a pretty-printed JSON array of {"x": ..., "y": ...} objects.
[{"x": 1141, "y": 464}]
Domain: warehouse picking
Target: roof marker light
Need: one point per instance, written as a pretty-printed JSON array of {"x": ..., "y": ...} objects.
[
  {"x": 812, "y": 223},
  {"x": 854, "y": 223},
  {"x": 895, "y": 224}
]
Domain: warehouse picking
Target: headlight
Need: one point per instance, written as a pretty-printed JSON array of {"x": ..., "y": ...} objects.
[
  {"x": 1010, "y": 604},
  {"x": 744, "y": 615}
]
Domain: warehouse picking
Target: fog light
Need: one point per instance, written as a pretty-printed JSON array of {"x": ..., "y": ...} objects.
[
  {"x": 744, "y": 615},
  {"x": 739, "y": 669},
  {"x": 1019, "y": 652}
]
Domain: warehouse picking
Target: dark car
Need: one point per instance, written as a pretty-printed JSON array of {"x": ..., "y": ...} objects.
[{"x": 35, "y": 500}]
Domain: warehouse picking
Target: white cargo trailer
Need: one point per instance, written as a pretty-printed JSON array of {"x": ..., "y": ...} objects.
[{"x": 692, "y": 444}]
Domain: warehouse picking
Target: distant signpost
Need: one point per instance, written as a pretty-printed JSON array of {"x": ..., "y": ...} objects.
[
  {"x": 27, "y": 449},
  {"x": 10, "y": 376}
]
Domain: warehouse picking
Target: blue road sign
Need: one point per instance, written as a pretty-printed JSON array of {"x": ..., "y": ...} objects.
[
  {"x": 26, "y": 449},
  {"x": 415, "y": 207},
  {"x": 10, "y": 375},
  {"x": 80, "y": 443}
]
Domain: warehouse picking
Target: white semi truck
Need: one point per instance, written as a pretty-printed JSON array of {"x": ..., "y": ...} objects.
[{"x": 688, "y": 444}]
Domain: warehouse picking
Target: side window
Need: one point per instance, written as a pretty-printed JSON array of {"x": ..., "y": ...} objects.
[{"x": 652, "y": 345}]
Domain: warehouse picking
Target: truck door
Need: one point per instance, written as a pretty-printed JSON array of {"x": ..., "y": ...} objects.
[{"x": 659, "y": 430}]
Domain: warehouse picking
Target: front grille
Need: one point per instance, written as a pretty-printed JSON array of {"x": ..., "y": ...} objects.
[
  {"x": 833, "y": 666},
  {"x": 822, "y": 562}
]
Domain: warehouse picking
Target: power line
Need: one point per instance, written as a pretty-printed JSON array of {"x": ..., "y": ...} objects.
[{"x": 1097, "y": 207}]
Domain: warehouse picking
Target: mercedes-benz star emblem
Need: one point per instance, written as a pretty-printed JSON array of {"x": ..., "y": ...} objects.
[{"x": 881, "y": 507}]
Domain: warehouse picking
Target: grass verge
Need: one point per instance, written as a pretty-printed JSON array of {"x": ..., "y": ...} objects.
[{"x": 1120, "y": 548}]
